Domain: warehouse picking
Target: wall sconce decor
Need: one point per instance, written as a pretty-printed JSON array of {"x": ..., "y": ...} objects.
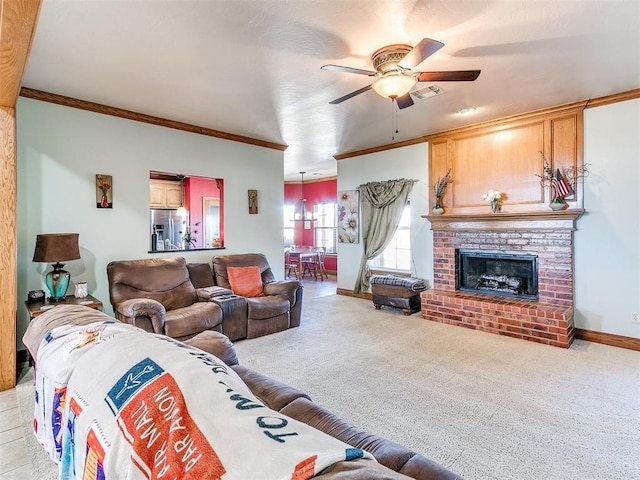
[
  {"x": 253, "y": 201},
  {"x": 104, "y": 191},
  {"x": 56, "y": 247}
]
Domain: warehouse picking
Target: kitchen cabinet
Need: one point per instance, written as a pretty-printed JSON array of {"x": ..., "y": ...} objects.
[{"x": 165, "y": 194}]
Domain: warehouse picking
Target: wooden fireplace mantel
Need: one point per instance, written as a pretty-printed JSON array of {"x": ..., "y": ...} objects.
[{"x": 538, "y": 220}]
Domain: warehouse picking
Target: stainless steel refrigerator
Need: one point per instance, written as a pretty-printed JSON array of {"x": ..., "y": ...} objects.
[{"x": 166, "y": 226}]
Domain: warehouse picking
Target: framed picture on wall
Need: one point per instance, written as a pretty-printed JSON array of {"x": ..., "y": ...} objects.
[
  {"x": 348, "y": 218},
  {"x": 104, "y": 191}
]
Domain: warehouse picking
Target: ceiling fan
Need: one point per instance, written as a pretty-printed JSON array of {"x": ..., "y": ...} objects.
[{"x": 393, "y": 65}]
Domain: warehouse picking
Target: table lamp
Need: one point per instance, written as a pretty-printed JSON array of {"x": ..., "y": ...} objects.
[{"x": 56, "y": 247}]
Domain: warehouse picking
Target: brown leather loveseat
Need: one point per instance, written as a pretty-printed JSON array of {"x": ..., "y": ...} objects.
[{"x": 180, "y": 300}]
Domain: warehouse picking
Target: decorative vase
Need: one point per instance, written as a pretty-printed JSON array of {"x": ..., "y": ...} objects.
[
  {"x": 57, "y": 281},
  {"x": 495, "y": 206},
  {"x": 558, "y": 204},
  {"x": 81, "y": 290},
  {"x": 437, "y": 208}
]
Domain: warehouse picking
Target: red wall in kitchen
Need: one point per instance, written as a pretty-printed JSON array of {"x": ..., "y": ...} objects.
[
  {"x": 314, "y": 192},
  {"x": 194, "y": 189}
]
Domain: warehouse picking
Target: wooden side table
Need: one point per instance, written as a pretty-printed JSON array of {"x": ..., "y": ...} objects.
[{"x": 38, "y": 308}]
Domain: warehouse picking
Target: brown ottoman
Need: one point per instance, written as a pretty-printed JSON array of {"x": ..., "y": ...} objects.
[{"x": 396, "y": 291}]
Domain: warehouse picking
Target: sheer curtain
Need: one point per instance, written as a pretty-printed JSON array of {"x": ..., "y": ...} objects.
[{"x": 382, "y": 204}]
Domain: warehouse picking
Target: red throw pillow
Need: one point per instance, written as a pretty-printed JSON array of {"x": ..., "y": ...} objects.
[{"x": 245, "y": 281}]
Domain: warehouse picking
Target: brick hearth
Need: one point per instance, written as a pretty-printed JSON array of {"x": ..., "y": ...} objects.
[{"x": 549, "y": 319}]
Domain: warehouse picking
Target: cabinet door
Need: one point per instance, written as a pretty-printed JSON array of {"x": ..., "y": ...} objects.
[
  {"x": 157, "y": 195},
  {"x": 173, "y": 196}
]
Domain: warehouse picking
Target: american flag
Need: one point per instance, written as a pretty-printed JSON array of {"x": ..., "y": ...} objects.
[{"x": 560, "y": 186}]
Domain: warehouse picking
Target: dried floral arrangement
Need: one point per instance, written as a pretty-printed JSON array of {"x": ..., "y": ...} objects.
[
  {"x": 562, "y": 181},
  {"x": 440, "y": 187}
]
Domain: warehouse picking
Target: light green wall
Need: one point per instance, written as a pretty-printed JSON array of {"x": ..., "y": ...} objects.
[
  {"x": 407, "y": 162},
  {"x": 65, "y": 148},
  {"x": 61, "y": 149},
  {"x": 607, "y": 242}
]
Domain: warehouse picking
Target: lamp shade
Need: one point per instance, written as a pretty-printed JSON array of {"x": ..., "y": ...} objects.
[
  {"x": 393, "y": 85},
  {"x": 56, "y": 247}
]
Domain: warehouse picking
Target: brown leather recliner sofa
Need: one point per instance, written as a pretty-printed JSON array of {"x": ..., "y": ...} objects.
[
  {"x": 394, "y": 461},
  {"x": 180, "y": 300}
]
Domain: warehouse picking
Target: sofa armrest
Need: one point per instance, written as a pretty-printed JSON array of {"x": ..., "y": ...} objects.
[
  {"x": 286, "y": 288},
  {"x": 215, "y": 343},
  {"x": 131, "y": 311}
]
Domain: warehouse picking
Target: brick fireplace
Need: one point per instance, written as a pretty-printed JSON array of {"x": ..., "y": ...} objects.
[{"x": 547, "y": 319}]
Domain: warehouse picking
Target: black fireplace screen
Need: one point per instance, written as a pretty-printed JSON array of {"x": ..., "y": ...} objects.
[{"x": 497, "y": 273}]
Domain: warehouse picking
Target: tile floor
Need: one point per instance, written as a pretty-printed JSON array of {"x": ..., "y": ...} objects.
[{"x": 14, "y": 463}]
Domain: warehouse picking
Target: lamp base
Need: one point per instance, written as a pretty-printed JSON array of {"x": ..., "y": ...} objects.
[{"x": 57, "y": 281}]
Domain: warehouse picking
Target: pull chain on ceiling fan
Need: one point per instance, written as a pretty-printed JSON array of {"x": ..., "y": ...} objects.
[{"x": 393, "y": 64}]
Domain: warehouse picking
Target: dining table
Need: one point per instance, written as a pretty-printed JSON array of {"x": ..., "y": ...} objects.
[{"x": 303, "y": 256}]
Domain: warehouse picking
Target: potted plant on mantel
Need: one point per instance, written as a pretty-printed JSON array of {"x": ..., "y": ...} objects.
[{"x": 439, "y": 189}]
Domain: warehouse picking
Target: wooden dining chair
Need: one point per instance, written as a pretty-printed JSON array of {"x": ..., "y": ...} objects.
[
  {"x": 291, "y": 265},
  {"x": 314, "y": 264},
  {"x": 321, "y": 270}
]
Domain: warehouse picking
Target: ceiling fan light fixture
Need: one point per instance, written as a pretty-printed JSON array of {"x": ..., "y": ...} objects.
[{"x": 394, "y": 85}]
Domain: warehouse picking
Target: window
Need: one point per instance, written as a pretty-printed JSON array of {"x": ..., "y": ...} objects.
[
  {"x": 289, "y": 225},
  {"x": 397, "y": 255},
  {"x": 326, "y": 226}
]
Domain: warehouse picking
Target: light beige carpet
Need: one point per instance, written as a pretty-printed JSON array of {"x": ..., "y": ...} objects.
[{"x": 486, "y": 406}]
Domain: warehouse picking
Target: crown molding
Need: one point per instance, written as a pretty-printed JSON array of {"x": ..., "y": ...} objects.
[
  {"x": 581, "y": 105},
  {"x": 141, "y": 117}
]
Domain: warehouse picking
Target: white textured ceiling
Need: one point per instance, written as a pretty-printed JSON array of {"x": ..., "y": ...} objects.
[{"x": 252, "y": 68}]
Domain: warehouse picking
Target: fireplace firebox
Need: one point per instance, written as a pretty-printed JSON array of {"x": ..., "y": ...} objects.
[{"x": 512, "y": 274}]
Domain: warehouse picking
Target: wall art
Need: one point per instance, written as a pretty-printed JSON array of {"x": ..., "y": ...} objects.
[
  {"x": 104, "y": 191},
  {"x": 348, "y": 218},
  {"x": 253, "y": 202}
]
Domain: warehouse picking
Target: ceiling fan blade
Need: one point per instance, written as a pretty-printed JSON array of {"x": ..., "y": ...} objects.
[
  {"x": 338, "y": 68},
  {"x": 404, "y": 101},
  {"x": 350, "y": 95},
  {"x": 420, "y": 52},
  {"x": 450, "y": 76}
]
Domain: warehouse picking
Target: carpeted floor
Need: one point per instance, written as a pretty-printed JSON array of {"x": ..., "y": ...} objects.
[{"x": 486, "y": 406}]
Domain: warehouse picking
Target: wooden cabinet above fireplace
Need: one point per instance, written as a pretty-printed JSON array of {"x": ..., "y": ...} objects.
[{"x": 508, "y": 155}]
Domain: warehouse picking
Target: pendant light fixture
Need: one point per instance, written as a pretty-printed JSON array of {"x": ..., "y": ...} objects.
[
  {"x": 182, "y": 211},
  {"x": 302, "y": 214}
]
